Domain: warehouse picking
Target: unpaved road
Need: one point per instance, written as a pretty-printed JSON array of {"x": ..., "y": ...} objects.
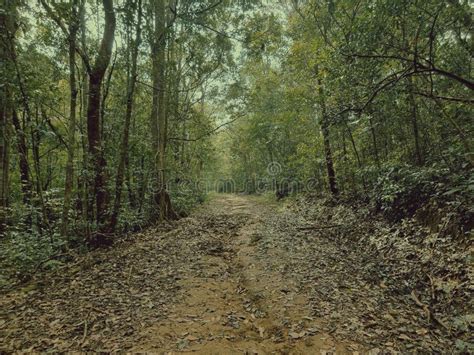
[
  {"x": 202, "y": 285},
  {"x": 241, "y": 275},
  {"x": 238, "y": 304}
]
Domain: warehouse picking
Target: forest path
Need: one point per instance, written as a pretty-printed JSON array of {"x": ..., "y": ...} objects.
[
  {"x": 241, "y": 275},
  {"x": 237, "y": 302},
  {"x": 217, "y": 282}
]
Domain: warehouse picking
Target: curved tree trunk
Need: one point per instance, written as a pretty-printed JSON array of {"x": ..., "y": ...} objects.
[{"x": 96, "y": 155}]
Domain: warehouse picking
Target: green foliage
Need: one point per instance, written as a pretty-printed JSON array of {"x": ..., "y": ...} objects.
[
  {"x": 199, "y": 52},
  {"x": 379, "y": 90},
  {"x": 400, "y": 190},
  {"x": 186, "y": 197},
  {"x": 24, "y": 253},
  {"x": 397, "y": 125}
]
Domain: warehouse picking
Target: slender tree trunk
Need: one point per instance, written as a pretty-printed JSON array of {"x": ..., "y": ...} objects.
[
  {"x": 142, "y": 182},
  {"x": 329, "y": 160},
  {"x": 162, "y": 109},
  {"x": 7, "y": 32},
  {"x": 154, "y": 108},
  {"x": 414, "y": 121},
  {"x": 374, "y": 141},
  {"x": 33, "y": 131},
  {"x": 71, "y": 138},
  {"x": 95, "y": 149},
  {"x": 128, "y": 180},
  {"x": 356, "y": 153},
  {"x": 158, "y": 115},
  {"x": 413, "y": 108},
  {"x": 126, "y": 128},
  {"x": 23, "y": 159},
  {"x": 327, "y": 144},
  {"x": 5, "y": 112},
  {"x": 103, "y": 104},
  {"x": 35, "y": 150},
  {"x": 84, "y": 198},
  {"x": 346, "y": 162}
]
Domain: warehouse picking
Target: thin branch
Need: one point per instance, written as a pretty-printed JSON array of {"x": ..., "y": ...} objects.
[
  {"x": 430, "y": 68},
  {"x": 205, "y": 134},
  {"x": 210, "y": 7},
  {"x": 377, "y": 56},
  {"x": 466, "y": 82},
  {"x": 61, "y": 25},
  {"x": 447, "y": 98},
  {"x": 220, "y": 33},
  {"x": 55, "y": 131}
]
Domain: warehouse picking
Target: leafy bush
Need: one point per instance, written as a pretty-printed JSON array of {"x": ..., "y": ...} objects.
[
  {"x": 401, "y": 190},
  {"x": 21, "y": 254},
  {"x": 185, "y": 196}
]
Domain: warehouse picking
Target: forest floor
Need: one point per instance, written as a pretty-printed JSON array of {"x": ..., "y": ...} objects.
[{"x": 241, "y": 275}]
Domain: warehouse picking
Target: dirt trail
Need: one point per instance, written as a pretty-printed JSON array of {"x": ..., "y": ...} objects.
[
  {"x": 203, "y": 285},
  {"x": 241, "y": 275},
  {"x": 239, "y": 303}
]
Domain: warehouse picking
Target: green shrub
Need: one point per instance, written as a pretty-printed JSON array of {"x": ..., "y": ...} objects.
[{"x": 401, "y": 190}]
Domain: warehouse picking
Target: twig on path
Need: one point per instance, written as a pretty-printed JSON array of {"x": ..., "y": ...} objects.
[
  {"x": 320, "y": 227},
  {"x": 85, "y": 332},
  {"x": 428, "y": 311},
  {"x": 98, "y": 310}
]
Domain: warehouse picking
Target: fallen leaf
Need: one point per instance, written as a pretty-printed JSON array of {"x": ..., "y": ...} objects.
[{"x": 296, "y": 335}]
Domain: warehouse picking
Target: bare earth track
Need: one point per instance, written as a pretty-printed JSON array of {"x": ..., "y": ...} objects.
[
  {"x": 237, "y": 304},
  {"x": 237, "y": 277}
]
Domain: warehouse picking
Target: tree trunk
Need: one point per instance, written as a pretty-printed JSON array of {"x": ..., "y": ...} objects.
[
  {"x": 84, "y": 198},
  {"x": 96, "y": 155},
  {"x": 158, "y": 115},
  {"x": 5, "y": 112},
  {"x": 126, "y": 128},
  {"x": 374, "y": 141},
  {"x": 414, "y": 121},
  {"x": 33, "y": 131},
  {"x": 7, "y": 32},
  {"x": 161, "y": 110},
  {"x": 23, "y": 159},
  {"x": 71, "y": 139},
  {"x": 328, "y": 154},
  {"x": 356, "y": 153},
  {"x": 103, "y": 104},
  {"x": 327, "y": 144}
]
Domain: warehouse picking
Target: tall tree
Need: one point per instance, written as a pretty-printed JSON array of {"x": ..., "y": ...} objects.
[
  {"x": 158, "y": 111},
  {"x": 96, "y": 76},
  {"x": 7, "y": 33},
  {"x": 324, "y": 121},
  {"x": 128, "y": 116},
  {"x": 71, "y": 141},
  {"x": 96, "y": 179}
]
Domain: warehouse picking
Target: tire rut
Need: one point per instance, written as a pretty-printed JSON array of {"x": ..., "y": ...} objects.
[{"x": 233, "y": 301}]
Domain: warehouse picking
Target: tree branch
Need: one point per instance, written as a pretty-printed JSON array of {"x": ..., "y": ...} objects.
[
  {"x": 63, "y": 28},
  {"x": 447, "y": 98},
  {"x": 205, "y": 134}
]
